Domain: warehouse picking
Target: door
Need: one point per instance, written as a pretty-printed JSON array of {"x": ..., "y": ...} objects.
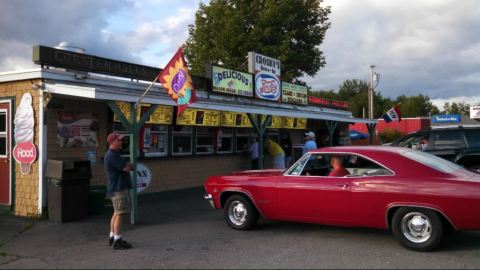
[
  {"x": 5, "y": 153},
  {"x": 318, "y": 199}
]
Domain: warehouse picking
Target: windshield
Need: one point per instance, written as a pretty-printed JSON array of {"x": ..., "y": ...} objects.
[{"x": 432, "y": 161}]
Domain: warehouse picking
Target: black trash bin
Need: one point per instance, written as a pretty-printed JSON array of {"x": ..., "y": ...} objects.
[
  {"x": 68, "y": 188},
  {"x": 96, "y": 200}
]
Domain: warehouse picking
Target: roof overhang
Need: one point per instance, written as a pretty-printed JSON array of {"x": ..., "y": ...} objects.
[{"x": 91, "y": 86}]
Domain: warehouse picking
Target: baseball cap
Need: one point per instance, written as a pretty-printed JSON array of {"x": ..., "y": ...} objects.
[
  {"x": 114, "y": 137},
  {"x": 310, "y": 134}
]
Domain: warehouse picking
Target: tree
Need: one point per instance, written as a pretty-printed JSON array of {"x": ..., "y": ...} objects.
[
  {"x": 289, "y": 30},
  {"x": 415, "y": 106},
  {"x": 457, "y": 108}
]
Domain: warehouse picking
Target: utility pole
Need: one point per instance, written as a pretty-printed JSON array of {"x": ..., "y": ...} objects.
[{"x": 370, "y": 93}]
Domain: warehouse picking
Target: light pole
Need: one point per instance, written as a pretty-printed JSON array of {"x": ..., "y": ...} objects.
[{"x": 374, "y": 79}]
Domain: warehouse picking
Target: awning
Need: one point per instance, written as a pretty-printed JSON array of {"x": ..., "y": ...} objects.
[{"x": 98, "y": 87}]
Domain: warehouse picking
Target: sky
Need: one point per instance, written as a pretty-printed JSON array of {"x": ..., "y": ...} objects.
[{"x": 429, "y": 47}]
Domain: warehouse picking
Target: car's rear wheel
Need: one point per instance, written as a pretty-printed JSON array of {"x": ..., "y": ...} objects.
[
  {"x": 240, "y": 213},
  {"x": 417, "y": 228}
]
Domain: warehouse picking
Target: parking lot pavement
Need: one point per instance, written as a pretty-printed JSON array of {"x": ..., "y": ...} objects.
[{"x": 178, "y": 229}]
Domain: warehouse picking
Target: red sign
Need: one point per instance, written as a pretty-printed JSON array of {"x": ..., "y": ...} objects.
[
  {"x": 25, "y": 152},
  {"x": 328, "y": 102}
]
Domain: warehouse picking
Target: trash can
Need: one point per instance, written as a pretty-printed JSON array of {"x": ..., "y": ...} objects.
[
  {"x": 96, "y": 200},
  {"x": 68, "y": 189}
]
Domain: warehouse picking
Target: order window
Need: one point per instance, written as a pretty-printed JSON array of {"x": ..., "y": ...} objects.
[
  {"x": 204, "y": 140},
  {"x": 225, "y": 140},
  {"x": 243, "y": 139},
  {"x": 155, "y": 140},
  {"x": 181, "y": 140}
]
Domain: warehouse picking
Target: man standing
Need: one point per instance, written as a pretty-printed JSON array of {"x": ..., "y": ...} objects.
[
  {"x": 309, "y": 142},
  {"x": 119, "y": 183},
  {"x": 254, "y": 154}
]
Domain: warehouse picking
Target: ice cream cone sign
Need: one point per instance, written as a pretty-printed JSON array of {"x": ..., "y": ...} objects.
[{"x": 24, "y": 152}]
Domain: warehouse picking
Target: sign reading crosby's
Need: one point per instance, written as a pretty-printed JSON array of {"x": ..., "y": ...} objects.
[{"x": 266, "y": 72}]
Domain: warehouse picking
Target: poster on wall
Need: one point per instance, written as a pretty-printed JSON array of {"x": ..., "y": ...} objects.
[
  {"x": 295, "y": 123},
  {"x": 25, "y": 151},
  {"x": 77, "y": 129},
  {"x": 144, "y": 177},
  {"x": 266, "y": 72}
]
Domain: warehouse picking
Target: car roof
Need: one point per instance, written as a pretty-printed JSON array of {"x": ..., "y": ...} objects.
[{"x": 362, "y": 149}]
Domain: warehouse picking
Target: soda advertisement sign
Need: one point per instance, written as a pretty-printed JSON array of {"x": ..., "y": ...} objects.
[{"x": 266, "y": 71}]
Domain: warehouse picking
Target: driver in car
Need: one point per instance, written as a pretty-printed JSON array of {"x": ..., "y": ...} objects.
[{"x": 338, "y": 169}]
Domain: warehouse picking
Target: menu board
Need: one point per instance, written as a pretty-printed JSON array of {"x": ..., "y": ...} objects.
[
  {"x": 125, "y": 108},
  {"x": 187, "y": 118},
  {"x": 295, "y": 123},
  {"x": 277, "y": 121},
  {"x": 161, "y": 116},
  {"x": 233, "y": 119},
  {"x": 294, "y": 94},
  {"x": 208, "y": 118}
]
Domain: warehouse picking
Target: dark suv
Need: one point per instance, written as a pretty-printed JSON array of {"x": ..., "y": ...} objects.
[{"x": 459, "y": 144}]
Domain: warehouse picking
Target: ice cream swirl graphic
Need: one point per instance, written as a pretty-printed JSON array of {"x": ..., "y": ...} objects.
[{"x": 24, "y": 121}]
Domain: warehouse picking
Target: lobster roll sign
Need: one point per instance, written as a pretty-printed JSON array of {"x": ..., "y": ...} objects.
[{"x": 266, "y": 72}]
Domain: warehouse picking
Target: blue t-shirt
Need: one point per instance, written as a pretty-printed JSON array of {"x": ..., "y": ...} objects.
[
  {"x": 309, "y": 145},
  {"x": 117, "y": 179}
]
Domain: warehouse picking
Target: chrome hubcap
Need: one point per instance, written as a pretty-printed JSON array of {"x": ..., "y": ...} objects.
[
  {"x": 416, "y": 227},
  {"x": 237, "y": 213}
]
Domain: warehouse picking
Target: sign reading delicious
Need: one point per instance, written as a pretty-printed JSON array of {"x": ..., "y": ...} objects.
[
  {"x": 234, "y": 82},
  {"x": 266, "y": 71},
  {"x": 294, "y": 93}
]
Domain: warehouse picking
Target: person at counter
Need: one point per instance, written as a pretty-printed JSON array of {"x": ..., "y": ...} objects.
[{"x": 118, "y": 186}]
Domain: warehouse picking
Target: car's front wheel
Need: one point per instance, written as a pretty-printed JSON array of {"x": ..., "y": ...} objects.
[
  {"x": 417, "y": 228},
  {"x": 240, "y": 213}
]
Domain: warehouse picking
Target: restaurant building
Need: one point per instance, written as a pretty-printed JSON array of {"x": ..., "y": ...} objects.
[{"x": 65, "y": 108}]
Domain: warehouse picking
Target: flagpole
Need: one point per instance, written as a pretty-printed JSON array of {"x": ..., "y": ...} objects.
[{"x": 146, "y": 91}]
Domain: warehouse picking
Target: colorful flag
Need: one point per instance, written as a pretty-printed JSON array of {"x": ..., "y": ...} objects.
[
  {"x": 393, "y": 115},
  {"x": 178, "y": 83}
]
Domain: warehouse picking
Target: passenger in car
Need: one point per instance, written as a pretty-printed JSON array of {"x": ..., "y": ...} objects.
[{"x": 338, "y": 169}]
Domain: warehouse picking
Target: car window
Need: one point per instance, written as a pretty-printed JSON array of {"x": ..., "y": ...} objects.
[
  {"x": 320, "y": 165},
  {"x": 360, "y": 166},
  {"x": 473, "y": 137},
  {"x": 432, "y": 161},
  {"x": 451, "y": 139},
  {"x": 297, "y": 168},
  {"x": 412, "y": 142}
]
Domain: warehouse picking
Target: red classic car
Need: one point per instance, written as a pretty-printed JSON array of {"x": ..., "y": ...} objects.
[{"x": 416, "y": 195}]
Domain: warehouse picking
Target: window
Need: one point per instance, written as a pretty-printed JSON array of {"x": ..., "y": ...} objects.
[
  {"x": 3, "y": 133},
  {"x": 432, "y": 161},
  {"x": 204, "y": 140},
  {"x": 413, "y": 142},
  {"x": 451, "y": 139},
  {"x": 181, "y": 140},
  {"x": 155, "y": 140},
  {"x": 225, "y": 140},
  {"x": 473, "y": 137},
  {"x": 353, "y": 166},
  {"x": 243, "y": 139}
]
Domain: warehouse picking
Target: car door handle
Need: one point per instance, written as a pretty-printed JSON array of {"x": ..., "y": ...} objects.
[{"x": 343, "y": 186}]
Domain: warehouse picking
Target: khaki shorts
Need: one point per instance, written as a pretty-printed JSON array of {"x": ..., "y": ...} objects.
[{"x": 121, "y": 202}]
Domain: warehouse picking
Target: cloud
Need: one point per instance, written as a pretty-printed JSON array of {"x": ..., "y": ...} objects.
[{"x": 418, "y": 47}]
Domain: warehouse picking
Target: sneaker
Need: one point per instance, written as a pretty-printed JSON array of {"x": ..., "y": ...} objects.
[
  {"x": 110, "y": 241},
  {"x": 121, "y": 244}
]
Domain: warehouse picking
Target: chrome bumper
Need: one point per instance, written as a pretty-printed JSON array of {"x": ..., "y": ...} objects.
[{"x": 209, "y": 198}]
